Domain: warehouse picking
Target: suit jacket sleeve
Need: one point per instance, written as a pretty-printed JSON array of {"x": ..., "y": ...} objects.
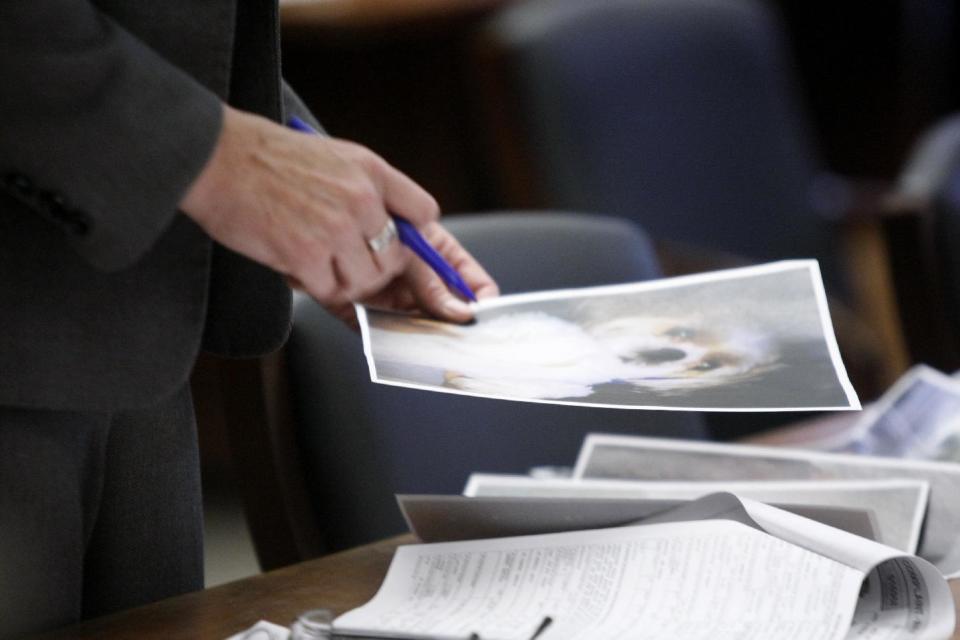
[{"x": 100, "y": 134}]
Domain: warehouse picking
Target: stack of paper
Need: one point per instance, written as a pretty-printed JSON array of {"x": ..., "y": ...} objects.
[
  {"x": 636, "y": 458},
  {"x": 720, "y": 567}
]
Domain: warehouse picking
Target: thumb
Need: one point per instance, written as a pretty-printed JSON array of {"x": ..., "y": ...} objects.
[{"x": 433, "y": 296}]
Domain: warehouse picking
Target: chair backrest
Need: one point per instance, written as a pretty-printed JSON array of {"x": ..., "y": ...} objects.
[
  {"x": 922, "y": 230},
  {"x": 679, "y": 114},
  {"x": 363, "y": 442}
]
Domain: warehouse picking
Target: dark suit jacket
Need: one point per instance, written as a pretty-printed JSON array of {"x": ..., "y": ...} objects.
[{"x": 109, "y": 109}]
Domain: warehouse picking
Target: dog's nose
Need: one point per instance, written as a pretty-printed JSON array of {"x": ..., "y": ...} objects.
[{"x": 658, "y": 356}]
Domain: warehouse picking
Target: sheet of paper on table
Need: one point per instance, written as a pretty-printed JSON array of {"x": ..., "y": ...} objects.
[
  {"x": 638, "y": 458},
  {"x": 918, "y": 418},
  {"x": 896, "y": 506},
  {"x": 445, "y": 518},
  {"x": 750, "y": 339},
  {"x": 719, "y": 567}
]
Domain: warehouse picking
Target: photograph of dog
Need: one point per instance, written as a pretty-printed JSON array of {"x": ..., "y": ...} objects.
[{"x": 753, "y": 338}]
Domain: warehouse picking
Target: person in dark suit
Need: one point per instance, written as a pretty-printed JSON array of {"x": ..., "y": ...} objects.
[{"x": 152, "y": 205}]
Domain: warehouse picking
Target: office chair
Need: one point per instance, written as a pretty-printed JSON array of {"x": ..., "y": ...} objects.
[
  {"x": 360, "y": 442},
  {"x": 922, "y": 232},
  {"x": 681, "y": 115}
]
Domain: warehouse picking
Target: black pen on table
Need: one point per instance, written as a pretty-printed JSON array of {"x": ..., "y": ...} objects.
[{"x": 409, "y": 236}]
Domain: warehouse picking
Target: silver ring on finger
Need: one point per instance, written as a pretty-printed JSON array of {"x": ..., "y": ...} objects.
[{"x": 383, "y": 239}]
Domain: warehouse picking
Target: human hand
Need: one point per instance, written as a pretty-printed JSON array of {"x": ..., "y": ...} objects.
[
  {"x": 419, "y": 288},
  {"x": 305, "y": 207}
]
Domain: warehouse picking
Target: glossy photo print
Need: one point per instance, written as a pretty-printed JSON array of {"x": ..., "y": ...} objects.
[{"x": 750, "y": 339}]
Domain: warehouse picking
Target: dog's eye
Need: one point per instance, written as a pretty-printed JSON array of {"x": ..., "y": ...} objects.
[
  {"x": 658, "y": 356},
  {"x": 715, "y": 361},
  {"x": 682, "y": 333},
  {"x": 707, "y": 364}
]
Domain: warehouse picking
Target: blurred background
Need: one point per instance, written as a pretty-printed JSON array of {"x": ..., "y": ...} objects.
[
  {"x": 409, "y": 78},
  {"x": 729, "y": 131}
]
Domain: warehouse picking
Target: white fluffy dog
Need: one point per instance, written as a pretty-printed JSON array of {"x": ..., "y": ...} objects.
[{"x": 537, "y": 355}]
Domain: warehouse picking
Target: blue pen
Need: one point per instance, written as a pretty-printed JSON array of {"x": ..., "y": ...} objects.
[{"x": 409, "y": 236}]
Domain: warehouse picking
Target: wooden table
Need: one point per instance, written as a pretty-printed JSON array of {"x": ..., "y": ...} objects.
[{"x": 339, "y": 582}]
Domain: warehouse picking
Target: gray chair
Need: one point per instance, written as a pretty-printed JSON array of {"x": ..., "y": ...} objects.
[
  {"x": 679, "y": 114},
  {"x": 361, "y": 443}
]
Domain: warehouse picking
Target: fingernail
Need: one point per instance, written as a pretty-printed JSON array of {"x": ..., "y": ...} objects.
[{"x": 456, "y": 307}]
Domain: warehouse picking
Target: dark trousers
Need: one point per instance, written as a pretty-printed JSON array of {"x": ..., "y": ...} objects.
[{"x": 98, "y": 512}]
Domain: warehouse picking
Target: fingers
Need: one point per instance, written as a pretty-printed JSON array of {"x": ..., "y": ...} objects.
[
  {"x": 346, "y": 313},
  {"x": 396, "y": 193},
  {"x": 432, "y": 295},
  {"x": 372, "y": 191},
  {"x": 431, "y": 292},
  {"x": 421, "y": 288},
  {"x": 367, "y": 267},
  {"x": 407, "y": 199},
  {"x": 401, "y": 195},
  {"x": 476, "y": 277}
]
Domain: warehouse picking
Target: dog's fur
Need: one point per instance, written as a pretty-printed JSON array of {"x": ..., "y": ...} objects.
[{"x": 536, "y": 355}]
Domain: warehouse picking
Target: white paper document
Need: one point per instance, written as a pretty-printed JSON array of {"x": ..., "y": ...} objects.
[
  {"x": 639, "y": 458},
  {"x": 750, "y": 339},
  {"x": 918, "y": 417},
  {"x": 749, "y": 572},
  {"x": 897, "y": 506},
  {"x": 447, "y": 518}
]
